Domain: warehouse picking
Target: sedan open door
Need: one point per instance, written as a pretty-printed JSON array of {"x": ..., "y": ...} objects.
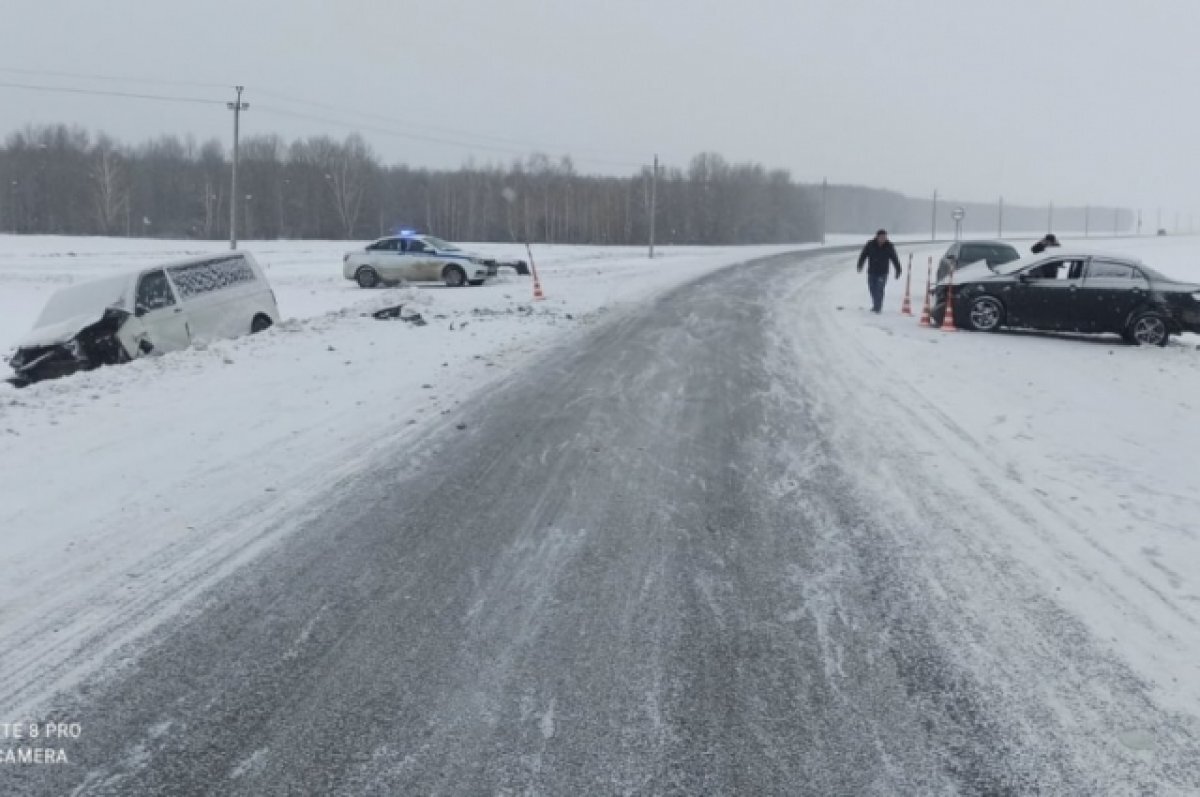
[{"x": 1043, "y": 296}]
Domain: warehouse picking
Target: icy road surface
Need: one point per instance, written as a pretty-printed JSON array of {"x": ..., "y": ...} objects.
[{"x": 717, "y": 548}]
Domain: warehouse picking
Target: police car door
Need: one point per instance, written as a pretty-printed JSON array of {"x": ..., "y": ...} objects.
[
  {"x": 423, "y": 262},
  {"x": 388, "y": 259}
]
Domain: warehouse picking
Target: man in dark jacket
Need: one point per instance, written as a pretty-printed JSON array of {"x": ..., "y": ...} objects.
[
  {"x": 1044, "y": 244},
  {"x": 877, "y": 254}
]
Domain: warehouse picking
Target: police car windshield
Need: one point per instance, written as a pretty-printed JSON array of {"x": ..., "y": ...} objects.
[{"x": 438, "y": 243}]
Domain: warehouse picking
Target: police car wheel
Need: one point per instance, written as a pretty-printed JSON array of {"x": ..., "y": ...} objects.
[{"x": 367, "y": 277}]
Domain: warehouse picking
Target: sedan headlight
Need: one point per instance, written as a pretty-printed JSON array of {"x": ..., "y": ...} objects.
[{"x": 1196, "y": 296}]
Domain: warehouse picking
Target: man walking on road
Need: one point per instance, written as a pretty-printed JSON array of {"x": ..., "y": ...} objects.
[{"x": 877, "y": 254}]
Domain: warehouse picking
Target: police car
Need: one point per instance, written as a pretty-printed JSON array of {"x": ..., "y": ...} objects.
[{"x": 413, "y": 257}]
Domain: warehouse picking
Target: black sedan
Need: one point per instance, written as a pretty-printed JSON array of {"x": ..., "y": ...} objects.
[{"x": 1072, "y": 292}]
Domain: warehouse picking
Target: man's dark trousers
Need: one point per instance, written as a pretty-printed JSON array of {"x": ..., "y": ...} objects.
[{"x": 877, "y": 284}]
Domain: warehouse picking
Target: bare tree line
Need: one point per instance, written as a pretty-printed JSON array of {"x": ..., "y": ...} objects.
[{"x": 62, "y": 180}]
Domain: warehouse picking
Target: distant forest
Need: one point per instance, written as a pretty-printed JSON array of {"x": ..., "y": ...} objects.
[{"x": 63, "y": 180}]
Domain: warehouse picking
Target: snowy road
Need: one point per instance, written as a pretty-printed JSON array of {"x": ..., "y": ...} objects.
[{"x": 704, "y": 554}]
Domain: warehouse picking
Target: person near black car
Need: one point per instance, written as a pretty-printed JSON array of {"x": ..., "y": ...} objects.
[
  {"x": 1047, "y": 242},
  {"x": 877, "y": 254}
]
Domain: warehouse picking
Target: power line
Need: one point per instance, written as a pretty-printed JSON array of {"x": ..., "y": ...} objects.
[
  {"x": 111, "y": 78},
  {"x": 382, "y": 118},
  {"x": 462, "y": 139},
  {"x": 104, "y": 93},
  {"x": 432, "y": 130},
  {"x": 423, "y": 137},
  {"x": 463, "y": 135}
]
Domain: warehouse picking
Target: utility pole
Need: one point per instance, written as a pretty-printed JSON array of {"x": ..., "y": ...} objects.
[
  {"x": 1050, "y": 217},
  {"x": 1000, "y": 220},
  {"x": 824, "y": 208},
  {"x": 1087, "y": 214},
  {"x": 653, "y": 203},
  {"x": 237, "y": 108},
  {"x": 933, "y": 228}
]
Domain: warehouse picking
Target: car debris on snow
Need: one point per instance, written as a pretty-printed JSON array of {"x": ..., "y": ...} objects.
[{"x": 397, "y": 312}]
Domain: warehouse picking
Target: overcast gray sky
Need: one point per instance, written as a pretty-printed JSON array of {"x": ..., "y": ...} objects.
[{"x": 1070, "y": 101}]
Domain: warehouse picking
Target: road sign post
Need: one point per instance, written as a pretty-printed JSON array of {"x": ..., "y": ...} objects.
[{"x": 958, "y": 214}]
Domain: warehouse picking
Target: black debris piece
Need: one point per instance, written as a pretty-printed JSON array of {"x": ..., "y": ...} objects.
[{"x": 395, "y": 312}]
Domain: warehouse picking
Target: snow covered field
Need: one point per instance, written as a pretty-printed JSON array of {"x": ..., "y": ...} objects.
[
  {"x": 1096, "y": 441},
  {"x": 125, "y": 491}
]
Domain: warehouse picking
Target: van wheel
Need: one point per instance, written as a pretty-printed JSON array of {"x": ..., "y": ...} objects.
[
  {"x": 454, "y": 277},
  {"x": 260, "y": 322},
  {"x": 1149, "y": 329},
  {"x": 367, "y": 277}
]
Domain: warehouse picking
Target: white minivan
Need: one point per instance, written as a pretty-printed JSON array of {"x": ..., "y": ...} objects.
[{"x": 157, "y": 309}]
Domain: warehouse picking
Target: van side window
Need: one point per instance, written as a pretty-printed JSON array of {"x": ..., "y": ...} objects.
[
  {"x": 211, "y": 275},
  {"x": 153, "y": 293}
]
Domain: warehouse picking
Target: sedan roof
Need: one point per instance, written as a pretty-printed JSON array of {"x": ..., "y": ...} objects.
[{"x": 1059, "y": 253}]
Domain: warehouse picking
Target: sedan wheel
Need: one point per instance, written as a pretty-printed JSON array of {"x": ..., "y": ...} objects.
[
  {"x": 1149, "y": 330},
  {"x": 986, "y": 314},
  {"x": 367, "y": 277},
  {"x": 454, "y": 277}
]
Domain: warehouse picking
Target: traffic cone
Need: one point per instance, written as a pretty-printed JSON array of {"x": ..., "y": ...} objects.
[
  {"x": 948, "y": 318},
  {"x": 906, "y": 305},
  {"x": 925, "y": 322},
  {"x": 537, "y": 283}
]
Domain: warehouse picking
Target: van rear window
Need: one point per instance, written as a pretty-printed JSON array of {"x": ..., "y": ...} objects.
[{"x": 211, "y": 275}]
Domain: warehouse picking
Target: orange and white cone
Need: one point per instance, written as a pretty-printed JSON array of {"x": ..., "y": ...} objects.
[
  {"x": 906, "y": 305},
  {"x": 538, "y": 295},
  {"x": 925, "y": 322},
  {"x": 948, "y": 318}
]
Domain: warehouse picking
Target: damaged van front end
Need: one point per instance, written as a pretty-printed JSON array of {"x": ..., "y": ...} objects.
[
  {"x": 77, "y": 331},
  {"x": 74, "y": 348}
]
